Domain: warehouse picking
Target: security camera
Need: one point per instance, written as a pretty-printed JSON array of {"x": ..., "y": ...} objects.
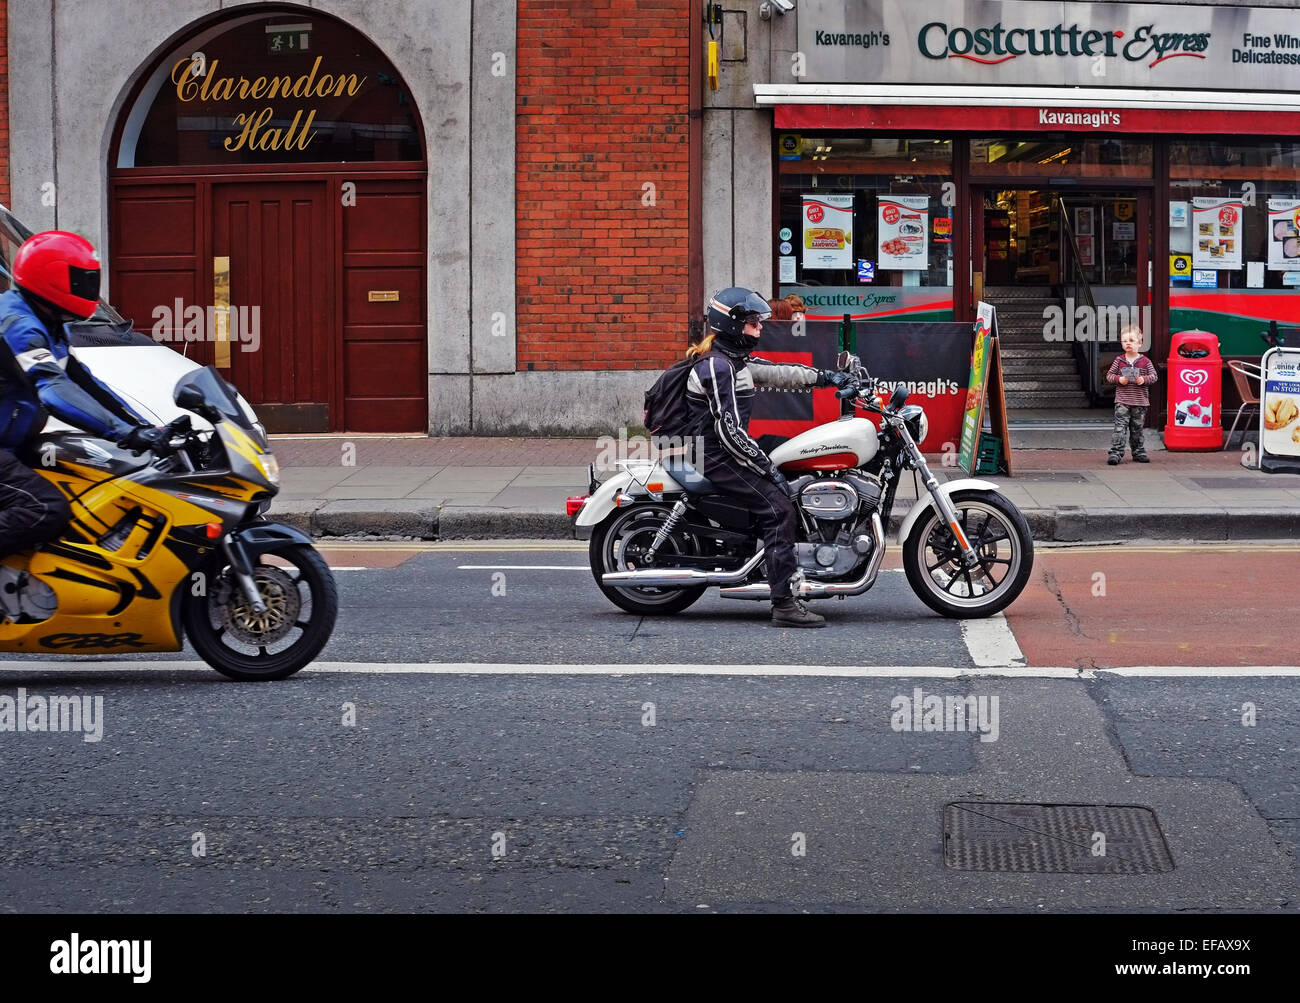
[
  {"x": 783, "y": 6},
  {"x": 780, "y": 6}
]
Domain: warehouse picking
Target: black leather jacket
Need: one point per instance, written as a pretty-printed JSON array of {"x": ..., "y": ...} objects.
[{"x": 721, "y": 391}]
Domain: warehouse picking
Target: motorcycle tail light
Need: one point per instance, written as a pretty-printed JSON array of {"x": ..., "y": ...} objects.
[
  {"x": 572, "y": 506},
  {"x": 655, "y": 486}
]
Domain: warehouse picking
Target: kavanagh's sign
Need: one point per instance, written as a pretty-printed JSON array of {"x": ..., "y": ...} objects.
[
  {"x": 1036, "y": 43},
  {"x": 258, "y": 128}
]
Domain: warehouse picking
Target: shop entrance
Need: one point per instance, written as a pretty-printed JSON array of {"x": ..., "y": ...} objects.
[{"x": 1067, "y": 269}]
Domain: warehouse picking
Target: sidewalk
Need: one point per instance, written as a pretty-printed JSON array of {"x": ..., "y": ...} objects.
[{"x": 487, "y": 488}]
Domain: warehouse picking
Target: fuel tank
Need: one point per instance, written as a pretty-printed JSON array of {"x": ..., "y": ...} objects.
[{"x": 837, "y": 445}]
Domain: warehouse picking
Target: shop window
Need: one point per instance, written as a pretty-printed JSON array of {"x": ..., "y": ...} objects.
[
  {"x": 859, "y": 213},
  {"x": 272, "y": 88},
  {"x": 1074, "y": 156},
  {"x": 1235, "y": 213},
  {"x": 1234, "y": 239}
]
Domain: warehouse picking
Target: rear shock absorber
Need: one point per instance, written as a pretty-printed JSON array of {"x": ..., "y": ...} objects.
[{"x": 674, "y": 517}]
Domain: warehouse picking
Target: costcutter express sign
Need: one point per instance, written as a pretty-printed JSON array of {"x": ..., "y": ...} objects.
[
  {"x": 1057, "y": 44},
  {"x": 827, "y": 231}
]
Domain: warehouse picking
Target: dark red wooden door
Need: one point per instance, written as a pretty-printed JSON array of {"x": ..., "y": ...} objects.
[
  {"x": 277, "y": 237},
  {"x": 385, "y": 345}
]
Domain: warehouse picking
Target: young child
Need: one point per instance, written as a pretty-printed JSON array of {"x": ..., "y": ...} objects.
[{"x": 1132, "y": 373}]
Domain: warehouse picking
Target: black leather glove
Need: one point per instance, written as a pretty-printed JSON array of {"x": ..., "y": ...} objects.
[
  {"x": 144, "y": 437},
  {"x": 833, "y": 378},
  {"x": 779, "y": 480}
]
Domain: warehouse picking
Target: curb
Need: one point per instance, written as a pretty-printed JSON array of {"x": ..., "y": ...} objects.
[{"x": 403, "y": 519}]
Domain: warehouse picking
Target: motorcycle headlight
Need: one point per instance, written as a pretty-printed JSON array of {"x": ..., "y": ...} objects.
[
  {"x": 918, "y": 425},
  {"x": 270, "y": 467}
]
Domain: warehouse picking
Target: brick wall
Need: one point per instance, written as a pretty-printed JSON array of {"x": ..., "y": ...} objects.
[
  {"x": 602, "y": 100},
  {"x": 4, "y": 105}
]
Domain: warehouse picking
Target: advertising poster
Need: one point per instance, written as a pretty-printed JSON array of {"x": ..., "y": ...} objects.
[
  {"x": 1087, "y": 256},
  {"x": 903, "y": 227},
  {"x": 931, "y": 358},
  {"x": 828, "y": 231},
  {"x": 1216, "y": 233},
  {"x": 1283, "y": 234},
  {"x": 973, "y": 414},
  {"x": 1279, "y": 408}
]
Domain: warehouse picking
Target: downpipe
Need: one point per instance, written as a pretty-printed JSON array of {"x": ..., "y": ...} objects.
[
  {"x": 681, "y": 577},
  {"x": 825, "y": 590}
]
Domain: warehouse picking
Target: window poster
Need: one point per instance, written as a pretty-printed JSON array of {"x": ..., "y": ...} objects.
[
  {"x": 1216, "y": 233},
  {"x": 903, "y": 227},
  {"x": 1283, "y": 234},
  {"x": 827, "y": 231}
]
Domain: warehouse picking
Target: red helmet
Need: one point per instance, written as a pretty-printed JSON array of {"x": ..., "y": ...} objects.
[{"x": 60, "y": 268}]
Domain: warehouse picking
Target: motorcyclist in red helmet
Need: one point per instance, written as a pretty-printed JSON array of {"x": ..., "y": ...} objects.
[{"x": 56, "y": 280}]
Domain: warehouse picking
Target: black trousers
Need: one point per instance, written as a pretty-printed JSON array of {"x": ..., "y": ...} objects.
[
  {"x": 32, "y": 510},
  {"x": 771, "y": 508}
]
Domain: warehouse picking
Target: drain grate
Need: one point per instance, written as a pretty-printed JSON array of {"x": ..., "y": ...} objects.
[
  {"x": 1053, "y": 838},
  {"x": 1052, "y": 477}
]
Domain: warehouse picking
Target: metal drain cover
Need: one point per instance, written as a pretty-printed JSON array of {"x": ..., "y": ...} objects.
[{"x": 1053, "y": 838}]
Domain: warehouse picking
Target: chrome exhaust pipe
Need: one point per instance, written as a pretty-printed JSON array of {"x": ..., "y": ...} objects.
[
  {"x": 824, "y": 590},
  {"x": 681, "y": 577}
]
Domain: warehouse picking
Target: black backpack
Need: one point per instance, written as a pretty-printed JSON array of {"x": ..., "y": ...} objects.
[{"x": 667, "y": 411}]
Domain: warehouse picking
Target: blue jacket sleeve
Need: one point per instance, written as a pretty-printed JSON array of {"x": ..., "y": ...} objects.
[
  {"x": 57, "y": 392},
  {"x": 717, "y": 379}
]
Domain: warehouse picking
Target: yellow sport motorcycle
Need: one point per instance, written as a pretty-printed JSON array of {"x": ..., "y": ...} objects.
[{"x": 171, "y": 545}]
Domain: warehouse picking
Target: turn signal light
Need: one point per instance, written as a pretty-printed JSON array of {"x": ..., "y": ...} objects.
[
  {"x": 572, "y": 506},
  {"x": 213, "y": 530}
]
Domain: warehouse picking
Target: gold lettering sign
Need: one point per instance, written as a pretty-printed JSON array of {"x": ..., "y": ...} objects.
[
  {"x": 383, "y": 296},
  {"x": 254, "y": 133}
]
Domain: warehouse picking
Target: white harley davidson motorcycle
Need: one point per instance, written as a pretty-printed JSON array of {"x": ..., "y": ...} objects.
[{"x": 661, "y": 534}]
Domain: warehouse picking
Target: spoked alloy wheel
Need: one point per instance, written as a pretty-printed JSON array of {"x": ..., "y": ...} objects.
[
  {"x": 301, "y": 605},
  {"x": 620, "y": 544},
  {"x": 1001, "y": 538}
]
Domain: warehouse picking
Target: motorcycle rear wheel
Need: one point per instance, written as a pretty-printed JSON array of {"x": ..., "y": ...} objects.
[
  {"x": 300, "y": 593},
  {"x": 616, "y": 545}
]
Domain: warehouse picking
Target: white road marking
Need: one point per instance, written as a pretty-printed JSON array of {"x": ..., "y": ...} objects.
[
  {"x": 991, "y": 643},
  {"x": 522, "y": 567},
  {"x": 771, "y": 671}
]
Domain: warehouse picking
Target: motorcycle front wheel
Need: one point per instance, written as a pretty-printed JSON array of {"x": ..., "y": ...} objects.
[
  {"x": 619, "y": 544},
  {"x": 301, "y": 601},
  {"x": 1003, "y": 544}
]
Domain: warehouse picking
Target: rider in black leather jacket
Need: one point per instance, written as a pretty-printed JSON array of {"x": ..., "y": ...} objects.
[{"x": 720, "y": 390}]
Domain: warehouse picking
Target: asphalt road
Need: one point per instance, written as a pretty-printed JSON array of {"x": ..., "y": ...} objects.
[{"x": 567, "y": 769}]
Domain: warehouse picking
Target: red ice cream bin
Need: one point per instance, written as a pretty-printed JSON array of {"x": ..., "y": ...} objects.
[{"x": 1195, "y": 378}]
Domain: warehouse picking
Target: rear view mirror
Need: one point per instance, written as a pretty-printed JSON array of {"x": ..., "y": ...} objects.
[
  {"x": 899, "y": 397},
  {"x": 191, "y": 398}
]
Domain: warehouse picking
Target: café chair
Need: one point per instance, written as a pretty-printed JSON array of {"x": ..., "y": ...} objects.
[{"x": 1241, "y": 371}]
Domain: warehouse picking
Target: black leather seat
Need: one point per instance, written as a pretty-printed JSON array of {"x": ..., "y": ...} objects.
[{"x": 687, "y": 476}]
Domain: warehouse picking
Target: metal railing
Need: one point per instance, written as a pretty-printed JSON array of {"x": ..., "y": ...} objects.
[{"x": 1086, "y": 353}]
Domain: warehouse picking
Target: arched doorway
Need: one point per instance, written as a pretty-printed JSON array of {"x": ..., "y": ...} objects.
[{"x": 267, "y": 215}]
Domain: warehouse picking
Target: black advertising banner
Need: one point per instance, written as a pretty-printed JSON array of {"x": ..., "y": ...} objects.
[{"x": 932, "y": 358}]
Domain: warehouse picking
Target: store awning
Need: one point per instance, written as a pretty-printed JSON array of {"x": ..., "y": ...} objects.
[{"x": 1029, "y": 109}]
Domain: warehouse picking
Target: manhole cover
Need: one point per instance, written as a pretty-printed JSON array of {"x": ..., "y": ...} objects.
[{"x": 1053, "y": 838}]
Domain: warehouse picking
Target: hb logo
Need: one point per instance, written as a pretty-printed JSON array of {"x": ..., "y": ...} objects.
[{"x": 1194, "y": 377}]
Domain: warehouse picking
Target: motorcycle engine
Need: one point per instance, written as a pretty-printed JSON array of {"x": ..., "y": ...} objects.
[
  {"x": 837, "y": 505},
  {"x": 24, "y": 598}
]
